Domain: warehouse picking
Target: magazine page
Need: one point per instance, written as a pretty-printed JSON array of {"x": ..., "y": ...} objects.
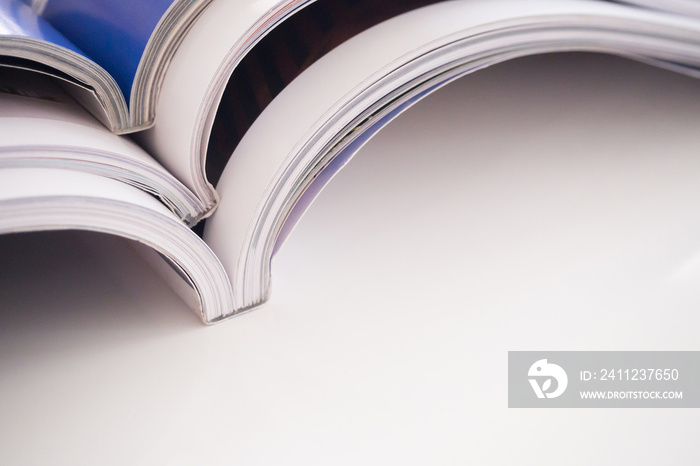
[
  {"x": 196, "y": 77},
  {"x": 97, "y": 26},
  {"x": 29, "y": 42},
  {"x": 379, "y": 73},
  {"x": 18, "y": 20},
  {"x": 683, "y": 7},
  {"x": 248, "y": 61},
  {"x": 39, "y": 199},
  {"x": 133, "y": 40},
  {"x": 42, "y": 126}
]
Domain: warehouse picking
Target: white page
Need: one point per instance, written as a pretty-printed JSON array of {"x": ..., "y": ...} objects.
[
  {"x": 57, "y": 120},
  {"x": 684, "y": 7},
  {"x": 196, "y": 78},
  {"x": 268, "y": 155},
  {"x": 39, "y": 199},
  {"x": 35, "y": 183},
  {"x": 40, "y": 125}
]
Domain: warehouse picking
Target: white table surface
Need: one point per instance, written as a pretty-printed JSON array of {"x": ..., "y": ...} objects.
[{"x": 551, "y": 203}]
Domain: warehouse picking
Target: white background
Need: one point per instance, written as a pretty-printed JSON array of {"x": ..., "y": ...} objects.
[{"x": 550, "y": 203}]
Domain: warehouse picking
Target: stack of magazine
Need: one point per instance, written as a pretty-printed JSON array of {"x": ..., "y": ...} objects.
[{"x": 205, "y": 128}]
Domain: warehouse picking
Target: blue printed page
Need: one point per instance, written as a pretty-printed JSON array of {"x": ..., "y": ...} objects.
[
  {"x": 113, "y": 33},
  {"x": 17, "y": 19}
]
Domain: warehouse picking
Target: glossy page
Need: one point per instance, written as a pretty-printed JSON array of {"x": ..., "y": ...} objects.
[
  {"x": 349, "y": 89},
  {"x": 113, "y": 34},
  {"x": 18, "y": 20}
]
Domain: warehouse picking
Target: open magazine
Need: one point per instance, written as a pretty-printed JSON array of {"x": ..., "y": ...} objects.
[{"x": 251, "y": 107}]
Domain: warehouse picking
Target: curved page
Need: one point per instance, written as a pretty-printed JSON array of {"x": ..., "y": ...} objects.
[
  {"x": 41, "y": 126},
  {"x": 27, "y": 41},
  {"x": 683, "y": 7},
  {"x": 113, "y": 34},
  {"x": 34, "y": 199},
  {"x": 133, "y": 40},
  {"x": 374, "y": 76},
  {"x": 196, "y": 77}
]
